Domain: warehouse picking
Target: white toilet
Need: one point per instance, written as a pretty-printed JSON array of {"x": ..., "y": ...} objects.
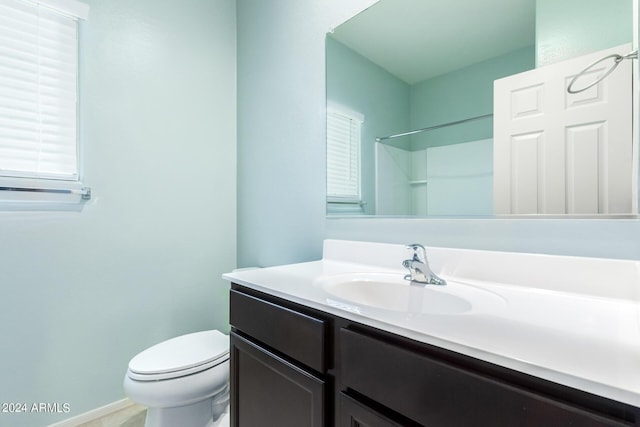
[{"x": 182, "y": 381}]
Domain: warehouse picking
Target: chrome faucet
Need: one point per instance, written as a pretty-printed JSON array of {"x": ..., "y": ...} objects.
[{"x": 418, "y": 266}]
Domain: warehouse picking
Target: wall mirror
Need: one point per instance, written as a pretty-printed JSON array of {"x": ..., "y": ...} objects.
[{"x": 401, "y": 66}]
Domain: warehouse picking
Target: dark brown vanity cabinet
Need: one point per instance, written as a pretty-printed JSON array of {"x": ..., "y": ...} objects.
[
  {"x": 295, "y": 366},
  {"x": 278, "y": 365}
]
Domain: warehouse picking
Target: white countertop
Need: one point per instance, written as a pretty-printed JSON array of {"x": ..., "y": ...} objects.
[{"x": 583, "y": 333}]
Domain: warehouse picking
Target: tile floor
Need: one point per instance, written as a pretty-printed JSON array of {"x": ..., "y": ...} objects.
[{"x": 133, "y": 416}]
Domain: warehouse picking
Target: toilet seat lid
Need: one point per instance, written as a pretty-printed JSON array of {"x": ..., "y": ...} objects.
[{"x": 184, "y": 353}]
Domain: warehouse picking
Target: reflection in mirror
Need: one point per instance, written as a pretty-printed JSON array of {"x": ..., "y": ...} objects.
[{"x": 401, "y": 66}]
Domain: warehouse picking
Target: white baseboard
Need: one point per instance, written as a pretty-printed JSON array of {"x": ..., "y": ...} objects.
[{"x": 95, "y": 413}]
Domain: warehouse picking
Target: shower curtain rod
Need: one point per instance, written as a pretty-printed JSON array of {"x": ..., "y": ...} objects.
[{"x": 398, "y": 135}]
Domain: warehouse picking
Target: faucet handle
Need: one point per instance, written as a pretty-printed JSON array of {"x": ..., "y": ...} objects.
[{"x": 419, "y": 253}]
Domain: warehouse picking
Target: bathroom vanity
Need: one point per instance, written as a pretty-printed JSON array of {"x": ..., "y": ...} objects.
[{"x": 306, "y": 350}]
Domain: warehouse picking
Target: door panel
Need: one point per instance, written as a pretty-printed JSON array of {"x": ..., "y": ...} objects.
[{"x": 562, "y": 153}]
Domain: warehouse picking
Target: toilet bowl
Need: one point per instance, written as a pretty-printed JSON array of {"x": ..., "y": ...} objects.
[{"x": 182, "y": 381}]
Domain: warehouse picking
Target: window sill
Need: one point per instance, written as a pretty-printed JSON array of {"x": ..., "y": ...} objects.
[
  {"x": 345, "y": 207},
  {"x": 20, "y": 194}
]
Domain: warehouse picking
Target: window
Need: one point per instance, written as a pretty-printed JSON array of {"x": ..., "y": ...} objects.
[
  {"x": 343, "y": 156},
  {"x": 38, "y": 96}
]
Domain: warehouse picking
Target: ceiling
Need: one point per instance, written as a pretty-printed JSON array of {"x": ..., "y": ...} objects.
[{"x": 419, "y": 39}]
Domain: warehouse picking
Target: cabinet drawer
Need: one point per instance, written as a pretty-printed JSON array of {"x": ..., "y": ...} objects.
[
  {"x": 433, "y": 392},
  {"x": 294, "y": 334}
]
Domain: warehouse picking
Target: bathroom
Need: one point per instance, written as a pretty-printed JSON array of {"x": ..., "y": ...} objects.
[{"x": 221, "y": 105}]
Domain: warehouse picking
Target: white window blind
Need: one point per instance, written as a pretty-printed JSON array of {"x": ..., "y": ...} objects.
[
  {"x": 343, "y": 156},
  {"x": 38, "y": 92}
]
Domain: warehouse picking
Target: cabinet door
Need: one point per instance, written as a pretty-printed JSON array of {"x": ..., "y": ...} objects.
[
  {"x": 267, "y": 390},
  {"x": 355, "y": 414}
]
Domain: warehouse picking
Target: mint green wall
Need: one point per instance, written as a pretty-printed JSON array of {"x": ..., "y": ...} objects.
[
  {"x": 83, "y": 292},
  {"x": 281, "y": 80},
  {"x": 462, "y": 94},
  {"x": 281, "y": 126},
  {"x": 392, "y": 106},
  {"x": 569, "y": 28},
  {"x": 360, "y": 85},
  {"x": 460, "y": 178}
]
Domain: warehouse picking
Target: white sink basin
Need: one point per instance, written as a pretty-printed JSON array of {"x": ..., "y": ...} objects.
[{"x": 392, "y": 292}]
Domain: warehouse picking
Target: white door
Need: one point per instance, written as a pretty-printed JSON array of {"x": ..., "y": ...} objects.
[{"x": 562, "y": 153}]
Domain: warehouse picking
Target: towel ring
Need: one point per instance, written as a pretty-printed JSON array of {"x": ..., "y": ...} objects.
[{"x": 617, "y": 59}]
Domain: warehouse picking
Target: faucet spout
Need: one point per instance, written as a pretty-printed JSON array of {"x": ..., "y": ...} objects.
[{"x": 418, "y": 266}]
